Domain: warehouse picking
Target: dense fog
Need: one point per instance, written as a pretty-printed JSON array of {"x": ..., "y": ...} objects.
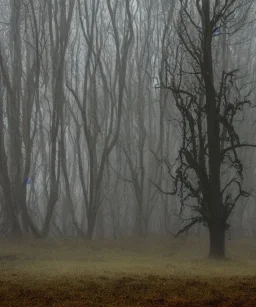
[{"x": 128, "y": 118}]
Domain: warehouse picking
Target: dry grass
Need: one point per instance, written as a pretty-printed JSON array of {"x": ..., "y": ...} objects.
[{"x": 131, "y": 272}]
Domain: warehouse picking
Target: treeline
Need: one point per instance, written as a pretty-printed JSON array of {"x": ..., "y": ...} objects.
[{"x": 93, "y": 118}]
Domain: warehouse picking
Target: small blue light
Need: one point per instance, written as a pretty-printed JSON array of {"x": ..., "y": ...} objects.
[
  {"x": 216, "y": 31},
  {"x": 28, "y": 180}
]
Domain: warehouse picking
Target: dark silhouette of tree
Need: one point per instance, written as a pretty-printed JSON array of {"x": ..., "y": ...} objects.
[{"x": 208, "y": 172}]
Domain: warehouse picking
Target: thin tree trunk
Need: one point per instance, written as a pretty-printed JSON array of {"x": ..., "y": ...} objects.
[{"x": 91, "y": 221}]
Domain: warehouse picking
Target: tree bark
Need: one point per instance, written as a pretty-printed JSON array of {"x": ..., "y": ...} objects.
[
  {"x": 91, "y": 221},
  {"x": 217, "y": 233},
  {"x": 217, "y": 240}
]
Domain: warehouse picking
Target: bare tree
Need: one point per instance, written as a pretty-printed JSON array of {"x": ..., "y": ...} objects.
[
  {"x": 209, "y": 101},
  {"x": 96, "y": 126}
]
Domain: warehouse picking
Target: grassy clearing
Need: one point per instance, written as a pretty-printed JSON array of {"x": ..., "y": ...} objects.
[{"x": 130, "y": 272}]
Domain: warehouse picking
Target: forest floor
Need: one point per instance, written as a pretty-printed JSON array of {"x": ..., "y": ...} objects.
[{"x": 128, "y": 272}]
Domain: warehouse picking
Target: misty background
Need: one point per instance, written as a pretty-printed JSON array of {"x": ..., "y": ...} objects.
[{"x": 90, "y": 125}]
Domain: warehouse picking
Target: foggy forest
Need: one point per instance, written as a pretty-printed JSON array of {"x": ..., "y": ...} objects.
[{"x": 127, "y": 153}]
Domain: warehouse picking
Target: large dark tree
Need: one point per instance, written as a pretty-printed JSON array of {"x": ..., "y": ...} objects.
[{"x": 209, "y": 97}]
